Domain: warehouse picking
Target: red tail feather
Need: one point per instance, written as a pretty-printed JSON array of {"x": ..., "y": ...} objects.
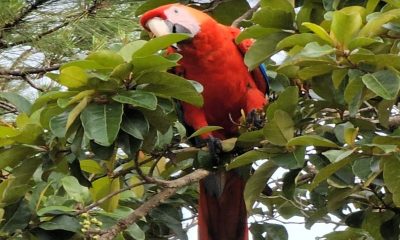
[{"x": 223, "y": 217}]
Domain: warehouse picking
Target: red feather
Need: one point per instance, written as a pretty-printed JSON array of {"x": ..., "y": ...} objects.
[{"x": 213, "y": 59}]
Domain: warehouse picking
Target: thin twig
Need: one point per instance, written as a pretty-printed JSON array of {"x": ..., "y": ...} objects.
[
  {"x": 102, "y": 200},
  {"x": 246, "y": 15},
  {"x": 29, "y": 81}
]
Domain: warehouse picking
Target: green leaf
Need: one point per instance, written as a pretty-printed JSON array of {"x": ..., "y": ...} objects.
[
  {"x": 279, "y": 130},
  {"x": 74, "y": 190},
  {"x": 13, "y": 156},
  {"x": 135, "y": 125},
  {"x": 354, "y": 94},
  {"x": 153, "y": 63},
  {"x": 273, "y": 18},
  {"x": 129, "y": 49},
  {"x": 319, "y": 31},
  {"x": 262, "y": 49},
  {"x": 301, "y": 39},
  {"x": 290, "y": 160},
  {"x": 349, "y": 233},
  {"x": 308, "y": 73},
  {"x": 159, "y": 43},
  {"x": 103, "y": 187},
  {"x": 73, "y": 77},
  {"x": 360, "y": 42},
  {"x": 204, "y": 130},
  {"x": 167, "y": 216},
  {"x": 135, "y": 232},
  {"x": 51, "y": 96},
  {"x": 256, "y": 183},
  {"x": 384, "y": 83},
  {"x": 384, "y": 112},
  {"x": 54, "y": 210},
  {"x": 312, "y": 140},
  {"x": 19, "y": 181},
  {"x": 107, "y": 59},
  {"x": 63, "y": 222},
  {"x": 58, "y": 124},
  {"x": 255, "y": 32},
  {"x": 337, "y": 155},
  {"x": 343, "y": 35},
  {"x": 102, "y": 122},
  {"x": 327, "y": 171},
  {"x": 18, "y": 101},
  {"x": 76, "y": 111},
  {"x": 84, "y": 64},
  {"x": 137, "y": 98},
  {"x": 391, "y": 166},
  {"x": 92, "y": 166},
  {"x": 314, "y": 50},
  {"x": 373, "y": 222},
  {"x": 171, "y": 85},
  {"x": 17, "y": 219},
  {"x": 287, "y": 101},
  {"x": 247, "y": 158},
  {"x": 273, "y": 231},
  {"x": 226, "y": 12},
  {"x": 374, "y": 26}
]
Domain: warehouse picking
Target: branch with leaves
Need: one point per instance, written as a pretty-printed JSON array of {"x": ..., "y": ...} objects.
[{"x": 170, "y": 189}]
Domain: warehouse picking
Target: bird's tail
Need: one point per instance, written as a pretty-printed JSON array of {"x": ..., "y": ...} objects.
[{"x": 222, "y": 211}]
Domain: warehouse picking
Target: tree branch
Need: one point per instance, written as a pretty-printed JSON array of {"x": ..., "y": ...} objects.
[
  {"x": 29, "y": 81},
  {"x": 153, "y": 202},
  {"x": 19, "y": 17},
  {"x": 90, "y": 11},
  {"x": 27, "y": 71}
]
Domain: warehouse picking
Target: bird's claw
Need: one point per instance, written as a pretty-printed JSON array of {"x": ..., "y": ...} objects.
[
  {"x": 255, "y": 119},
  {"x": 215, "y": 148}
]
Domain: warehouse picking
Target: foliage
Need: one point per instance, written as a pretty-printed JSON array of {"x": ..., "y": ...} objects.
[{"x": 84, "y": 155}]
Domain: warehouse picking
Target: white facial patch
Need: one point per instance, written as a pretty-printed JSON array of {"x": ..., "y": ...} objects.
[{"x": 180, "y": 16}]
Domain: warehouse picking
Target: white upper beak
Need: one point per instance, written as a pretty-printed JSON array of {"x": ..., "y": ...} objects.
[{"x": 158, "y": 27}]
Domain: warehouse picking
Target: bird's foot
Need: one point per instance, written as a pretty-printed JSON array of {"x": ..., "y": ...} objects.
[
  {"x": 255, "y": 119},
  {"x": 215, "y": 148}
]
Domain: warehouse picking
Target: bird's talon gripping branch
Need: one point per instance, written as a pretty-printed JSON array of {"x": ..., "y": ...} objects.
[
  {"x": 215, "y": 148},
  {"x": 255, "y": 119}
]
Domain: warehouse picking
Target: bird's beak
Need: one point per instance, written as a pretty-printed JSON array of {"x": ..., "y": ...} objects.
[{"x": 158, "y": 27}]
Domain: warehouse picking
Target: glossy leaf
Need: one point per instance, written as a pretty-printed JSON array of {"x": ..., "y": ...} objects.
[
  {"x": 21, "y": 103},
  {"x": 159, "y": 43},
  {"x": 73, "y": 77},
  {"x": 257, "y": 182},
  {"x": 384, "y": 83},
  {"x": 171, "y": 85},
  {"x": 319, "y": 31},
  {"x": 312, "y": 140},
  {"x": 262, "y": 49},
  {"x": 103, "y": 187},
  {"x": 137, "y": 98},
  {"x": 247, "y": 158},
  {"x": 392, "y": 178},
  {"x": 102, "y": 122},
  {"x": 205, "y": 130}
]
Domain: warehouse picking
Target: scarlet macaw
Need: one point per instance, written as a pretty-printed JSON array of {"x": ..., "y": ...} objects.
[{"x": 212, "y": 58}]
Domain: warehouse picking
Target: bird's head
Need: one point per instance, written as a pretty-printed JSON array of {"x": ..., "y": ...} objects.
[{"x": 174, "y": 18}]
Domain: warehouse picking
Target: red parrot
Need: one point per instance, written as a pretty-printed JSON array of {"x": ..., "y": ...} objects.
[{"x": 212, "y": 58}]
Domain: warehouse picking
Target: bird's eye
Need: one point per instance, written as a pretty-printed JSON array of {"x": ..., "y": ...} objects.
[{"x": 175, "y": 10}]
